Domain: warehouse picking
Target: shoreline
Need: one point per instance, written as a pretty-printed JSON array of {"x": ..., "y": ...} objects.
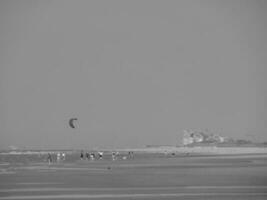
[
  {"x": 197, "y": 150},
  {"x": 205, "y": 150}
]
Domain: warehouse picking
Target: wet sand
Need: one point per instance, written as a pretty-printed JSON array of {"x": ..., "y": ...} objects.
[{"x": 147, "y": 176}]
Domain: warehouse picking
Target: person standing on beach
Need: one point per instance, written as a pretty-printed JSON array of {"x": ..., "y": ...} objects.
[
  {"x": 58, "y": 157},
  {"x": 92, "y": 156},
  {"x": 81, "y": 156},
  {"x": 87, "y": 155},
  {"x": 113, "y": 155},
  {"x": 100, "y": 155},
  {"x": 49, "y": 158},
  {"x": 63, "y": 156}
]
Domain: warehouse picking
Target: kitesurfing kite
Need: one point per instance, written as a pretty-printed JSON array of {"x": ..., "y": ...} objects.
[{"x": 71, "y": 122}]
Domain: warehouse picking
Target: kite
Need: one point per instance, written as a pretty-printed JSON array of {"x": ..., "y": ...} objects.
[{"x": 71, "y": 122}]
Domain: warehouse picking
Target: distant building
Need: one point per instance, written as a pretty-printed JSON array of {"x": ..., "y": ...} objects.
[{"x": 197, "y": 137}]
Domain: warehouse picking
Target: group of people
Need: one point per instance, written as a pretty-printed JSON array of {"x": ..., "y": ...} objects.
[
  {"x": 59, "y": 157},
  {"x": 91, "y": 156},
  {"x": 115, "y": 155},
  {"x": 99, "y": 155}
]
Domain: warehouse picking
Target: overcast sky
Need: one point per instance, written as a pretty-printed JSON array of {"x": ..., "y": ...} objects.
[{"x": 132, "y": 72}]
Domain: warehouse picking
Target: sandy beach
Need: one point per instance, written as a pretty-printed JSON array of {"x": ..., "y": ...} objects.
[{"x": 147, "y": 176}]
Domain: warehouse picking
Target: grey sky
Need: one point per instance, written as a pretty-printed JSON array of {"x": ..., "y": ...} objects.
[{"x": 132, "y": 72}]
